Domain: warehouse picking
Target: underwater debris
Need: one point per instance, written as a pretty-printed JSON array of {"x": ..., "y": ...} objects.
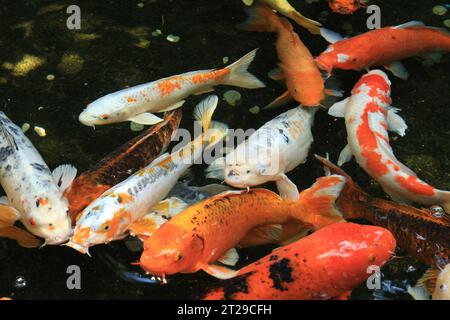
[
  {"x": 27, "y": 26},
  {"x": 447, "y": 23},
  {"x": 50, "y": 77},
  {"x": 23, "y": 67},
  {"x": 254, "y": 110},
  {"x": 50, "y": 8},
  {"x": 172, "y": 38},
  {"x": 86, "y": 36},
  {"x": 247, "y": 2},
  {"x": 232, "y": 97},
  {"x": 225, "y": 60},
  {"x": 156, "y": 33},
  {"x": 140, "y": 5},
  {"x": 40, "y": 131},
  {"x": 25, "y": 127},
  {"x": 439, "y": 10},
  {"x": 70, "y": 64}
]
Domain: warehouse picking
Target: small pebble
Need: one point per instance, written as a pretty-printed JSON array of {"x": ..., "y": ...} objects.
[
  {"x": 439, "y": 10},
  {"x": 225, "y": 60},
  {"x": 140, "y": 5},
  {"x": 232, "y": 97},
  {"x": 40, "y": 108},
  {"x": 255, "y": 110},
  {"x": 156, "y": 33},
  {"x": 40, "y": 131},
  {"x": 447, "y": 23},
  {"x": 20, "y": 282},
  {"x": 136, "y": 126},
  {"x": 50, "y": 77},
  {"x": 172, "y": 38},
  {"x": 25, "y": 127}
]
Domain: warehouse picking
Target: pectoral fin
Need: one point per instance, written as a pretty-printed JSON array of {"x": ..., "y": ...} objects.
[
  {"x": 330, "y": 35},
  {"x": 8, "y": 215},
  {"x": 230, "y": 258},
  {"x": 285, "y": 98},
  {"x": 219, "y": 271},
  {"x": 395, "y": 122},
  {"x": 64, "y": 176},
  {"x": 338, "y": 109},
  {"x": 287, "y": 189},
  {"x": 398, "y": 69},
  {"x": 146, "y": 118},
  {"x": 23, "y": 237},
  {"x": 345, "y": 155},
  {"x": 178, "y": 104}
]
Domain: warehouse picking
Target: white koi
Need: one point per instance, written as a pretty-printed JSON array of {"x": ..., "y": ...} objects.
[
  {"x": 109, "y": 217},
  {"x": 368, "y": 118},
  {"x": 33, "y": 193},
  {"x": 138, "y": 103}
]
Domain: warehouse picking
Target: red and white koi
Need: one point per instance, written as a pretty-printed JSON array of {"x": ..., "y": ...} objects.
[
  {"x": 268, "y": 154},
  {"x": 33, "y": 194},
  {"x": 138, "y": 103},
  {"x": 383, "y": 47},
  {"x": 368, "y": 117},
  {"x": 108, "y": 218}
]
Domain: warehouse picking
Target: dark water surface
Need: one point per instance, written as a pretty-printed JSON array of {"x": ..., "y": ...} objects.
[{"x": 111, "y": 51}]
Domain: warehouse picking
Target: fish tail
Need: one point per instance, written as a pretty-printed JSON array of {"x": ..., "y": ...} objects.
[
  {"x": 260, "y": 19},
  {"x": 239, "y": 76},
  {"x": 309, "y": 24},
  {"x": 318, "y": 202}
]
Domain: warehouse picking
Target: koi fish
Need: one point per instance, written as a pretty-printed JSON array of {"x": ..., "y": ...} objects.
[
  {"x": 424, "y": 233},
  {"x": 383, "y": 47},
  {"x": 109, "y": 216},
  {"x": 346, "y": 6},
  {"x": 368, "y": 117},
  {"x": 434, "y": 284},
  {"x": 287, "y": 10},
  {"x": 120, "y": 164},
  {"x": 303, "y": 79},
  {"x": 197, "y": 237},
  {"x": 138, "y": 103},
  {"x": 324, "y": 265},
  {"x": 268, "y": 154},
  {"x": 34, "y": 195}
]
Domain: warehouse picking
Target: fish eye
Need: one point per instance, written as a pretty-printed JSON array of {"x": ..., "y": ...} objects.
[
  {"x": 442, "y": 287},
  {"x": 248, "y": 171},
  {"x": 107, "y": 227},
  {"x": 178, "y": 257}
]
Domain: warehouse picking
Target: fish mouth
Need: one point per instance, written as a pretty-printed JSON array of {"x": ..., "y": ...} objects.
[
  {"x": 86, "y": 119},
  {"x": 84, "y": 249}
]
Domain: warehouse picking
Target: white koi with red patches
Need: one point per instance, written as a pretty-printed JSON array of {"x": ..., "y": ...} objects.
[
  {"x": 368, "y": 117},
  {"x": 273, "y": 150},
  {"x": 108, "y": 217},
  {"x": 30, "y": 187},
  {"x": 138, "y": 103}
]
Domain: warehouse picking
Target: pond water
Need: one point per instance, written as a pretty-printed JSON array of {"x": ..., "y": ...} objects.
[{"x": 63, "y": 70}]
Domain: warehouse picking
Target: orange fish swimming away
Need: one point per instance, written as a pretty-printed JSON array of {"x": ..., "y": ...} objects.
[
  {"x": 303, "y": 79},
  {"x": 383, "y": 47},
  {"x": 325, "y": 265},
  {"x": 205, "y": 232},
  {"x": 346, "y": 6},
  {"x": 122, "y": 163}
]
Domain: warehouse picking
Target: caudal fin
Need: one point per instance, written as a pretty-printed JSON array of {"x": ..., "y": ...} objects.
[
  {"x": 239, "y": 75},
  {"x": 318, "y": 202}
]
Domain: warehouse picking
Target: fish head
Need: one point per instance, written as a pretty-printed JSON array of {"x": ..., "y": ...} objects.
[
  {"x": 102, "y": 221},
  {"x": 171, "y": 250},
  {"x": 105, "y": 110},
  {"x": 49, "y": 218},
  {"x": 376, "y": 84},
  {"x": 442, "y": 290},
  {"x": 345, "y": 6},
  {"x": 338, "y": 56}
]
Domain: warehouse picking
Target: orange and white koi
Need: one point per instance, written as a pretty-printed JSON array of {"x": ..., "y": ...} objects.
[
  {"x": 303, "y": 79},
  {"x": 109, "y": 216},
  {"x": 138, "y": 103},
  {"x": 325, "y": 265},
  {"x": 268, "y": 154},
  {"x": 346, "y": 6},
  {"x": 199, "y": 235},
  {"x": 33, "y": 194},
  {"x": 383, "y": 47},
  {"x": 434, "y": 284},
  {"x": 368, "y": 117}
]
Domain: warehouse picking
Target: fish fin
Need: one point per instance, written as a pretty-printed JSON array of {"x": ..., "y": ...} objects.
[
  {"x": 338, "y": 109},
  {"x": 64, "y": 175},
  {"x": 431, "y": 58},
  {"x": 204, "y": 110},
  {"x": 330, "y": 36},
  {"x": 419, "y": 293},
  {"x": 230, "y": 258},
  {"x": 270, "y": 232},
  {"x": 170, "y": 207},
  {"x": 176, "y": 105},
  {"x": 257, "y": 19},
  {"x": 23, "y": 237},
  {"x": 428, "y": 279},
  {"x": 345, "y": 155},
  {"x": 320, "y": 198},
  {"x": 287, "y": 189},
  {"x": 303, "y": 233},
  {"x": 444, "y": 196},
  {"x": 8, "y": 215},
  {"x": 4, "y": 200},
  {"x": 410, "y": 24},
  {"x": 147, "y": 225},
  {"x": 398, "y": 69},
  {"x": 395, "y": 122},
  {"x": 204, "y": 91},
  {"x": 343, "y": 296},
  {"x": 160, "y": 158},
  {"x": 219, "y": 272},
  {"x": 334, "y": 93},
  {"x": 216, "y": 170},
  {"x": 146, "y": 118},
  {"x": 311, "y": 25},
  {"x": 280, "y": 101},
  {"x": 276, "y": 74},
  {"x": 9, "y": 137},
  {"x": 216, "y": 133},
  {"x": 239, "y": 75}
]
